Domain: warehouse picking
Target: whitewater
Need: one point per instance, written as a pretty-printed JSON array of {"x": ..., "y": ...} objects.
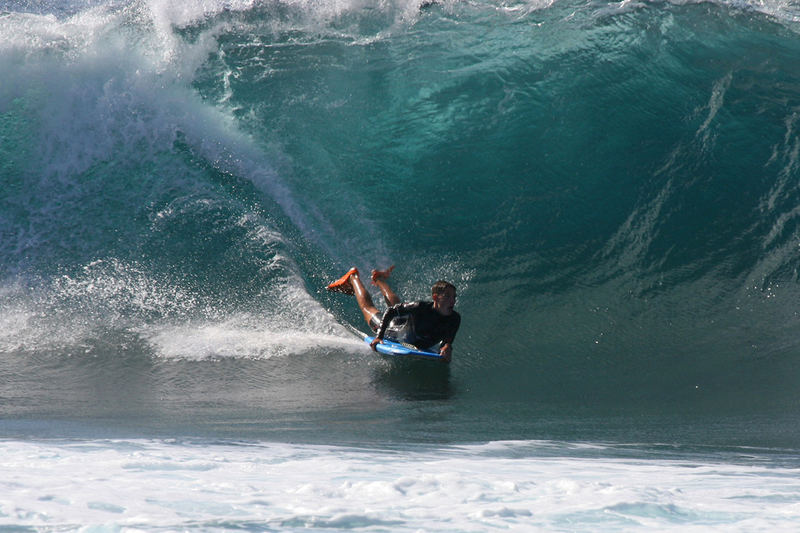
[
  {"x": 613, "y": 187},
  {"x": 136, "y": 485}
]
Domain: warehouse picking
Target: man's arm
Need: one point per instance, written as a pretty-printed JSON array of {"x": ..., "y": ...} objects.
[
  {"x": 375, "y": 342},
  {"x": 387, "y": 318},
  {"x": 446, "y": 351}
]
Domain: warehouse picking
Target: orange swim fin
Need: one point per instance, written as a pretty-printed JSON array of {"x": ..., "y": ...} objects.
[{"x": 343, "y": 284}]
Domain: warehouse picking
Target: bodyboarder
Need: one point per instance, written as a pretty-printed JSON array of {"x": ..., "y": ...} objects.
[{"x": 421, "y": 323}]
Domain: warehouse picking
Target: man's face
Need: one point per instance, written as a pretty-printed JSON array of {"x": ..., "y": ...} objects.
[{"x": 445, "y": 302}]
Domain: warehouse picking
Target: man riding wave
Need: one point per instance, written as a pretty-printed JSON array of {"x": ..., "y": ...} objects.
[{"x": 421, "y": 323}]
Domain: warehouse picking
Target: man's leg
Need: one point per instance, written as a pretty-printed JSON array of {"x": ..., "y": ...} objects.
[
  {"x": 368, "y": 309},
  {"x": 379, "y": 278},
  {"x": 350, "y": 283}
]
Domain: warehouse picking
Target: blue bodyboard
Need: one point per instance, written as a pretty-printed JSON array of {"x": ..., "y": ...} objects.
[{"x": 398, "y": 349}]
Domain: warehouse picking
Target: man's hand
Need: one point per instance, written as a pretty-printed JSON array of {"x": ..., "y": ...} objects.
[
  {"x": 374, "y": 343},
  {"x": 446, "y": 351}
]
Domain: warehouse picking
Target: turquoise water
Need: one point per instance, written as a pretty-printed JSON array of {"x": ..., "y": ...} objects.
[{"x": 613, "y": 187}]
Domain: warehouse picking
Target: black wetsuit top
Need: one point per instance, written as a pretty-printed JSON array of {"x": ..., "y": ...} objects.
[{"x": 427, "y": 325}]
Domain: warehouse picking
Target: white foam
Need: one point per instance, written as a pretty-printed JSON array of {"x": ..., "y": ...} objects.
[
  {"x": 71, "y": 312},
  {"x": 297, "y": 324},
  {"x": 239, "y": 337},
  {"x": 145, "y": 485}
]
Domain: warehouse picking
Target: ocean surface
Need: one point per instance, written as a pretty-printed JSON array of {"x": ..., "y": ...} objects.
[{"x": 614, "y": 188}]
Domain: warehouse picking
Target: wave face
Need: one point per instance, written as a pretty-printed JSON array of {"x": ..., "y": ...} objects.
[{"x": 613, "y": 187}]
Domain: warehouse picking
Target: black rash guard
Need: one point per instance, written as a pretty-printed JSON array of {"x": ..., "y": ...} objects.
[{"x": 427, "y": 325}]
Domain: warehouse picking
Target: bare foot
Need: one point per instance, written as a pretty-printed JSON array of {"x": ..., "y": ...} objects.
[{"x": 381, "y": 274}]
